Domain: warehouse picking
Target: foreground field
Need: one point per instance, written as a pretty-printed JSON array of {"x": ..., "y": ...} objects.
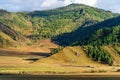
[
  {"x": 82, "y": 76},
  {"x": 71, "y": 60}
]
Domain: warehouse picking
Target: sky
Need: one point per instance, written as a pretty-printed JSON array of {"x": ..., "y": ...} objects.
[{"x": 31, "y": 5}]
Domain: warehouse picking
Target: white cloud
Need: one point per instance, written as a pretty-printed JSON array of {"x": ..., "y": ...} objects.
[
  {"x": 87, "y": 2},
  {"x": 66, "y": 2},
  {"x": 48, "y": 3},
  {"x": 113, "y": 5},
  {"x": 57, "y": 3}
]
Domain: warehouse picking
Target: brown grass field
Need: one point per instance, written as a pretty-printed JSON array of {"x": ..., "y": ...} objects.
[{"x": 36, "y": 60}]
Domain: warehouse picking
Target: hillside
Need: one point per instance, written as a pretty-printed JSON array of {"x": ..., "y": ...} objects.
[
  {"x": 96, "y": 40},
  {"x": 9, "y": 37},
  {"x": 103, "y": 36},
  {"x": 71, "y": 55},
  {"x": 50, "y": 23},
  {"x": 83, "y": 32},
  {"x": 93, "y": 30},
  {"x": 67, "y": 19},
  {"x": 104, "y": 41}
]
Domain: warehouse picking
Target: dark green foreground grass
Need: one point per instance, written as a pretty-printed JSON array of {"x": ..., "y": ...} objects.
[{"x": 56, "y": 77}]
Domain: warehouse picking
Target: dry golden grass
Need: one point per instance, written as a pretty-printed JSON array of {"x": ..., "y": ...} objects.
[
  {"x": 69, "y": 60},
  {"x": 113, "y": 53},
  {"x": 18, "y": 65},
  {"x": 7, "y": 37},
  {"x": 71, "y": 55}
]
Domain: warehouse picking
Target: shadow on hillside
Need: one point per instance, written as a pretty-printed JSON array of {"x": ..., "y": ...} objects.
[
  {"x": 18, "y": 53},
  {"x": 40, "y": 54},
  {"x": 82, "y": 32},
  {"x": 49, "y": 13}
]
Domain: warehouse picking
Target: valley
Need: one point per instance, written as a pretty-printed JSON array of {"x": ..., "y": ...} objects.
[{"x": 74, "y": 39}]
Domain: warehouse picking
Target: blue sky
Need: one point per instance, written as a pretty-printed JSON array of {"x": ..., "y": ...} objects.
[{"x": 31, "y": 5}]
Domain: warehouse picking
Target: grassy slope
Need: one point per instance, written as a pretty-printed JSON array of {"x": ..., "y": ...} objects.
[
  {"x": 115, "y": 55},
  {"x": 77, "y": 55},
  {"x": 12, "y": 36},
  {"x": 71, "y": 55},
  {"x": 7, "y": 37},
  {"x": 17, "y": 22},
  {"x": 60, "y": 62}
]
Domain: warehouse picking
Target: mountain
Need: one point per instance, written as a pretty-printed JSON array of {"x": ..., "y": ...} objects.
[
  {"x": 100, "y": 41},
  {"x": 51, "y": 23},
  {"x": 95, "y": 30},
  {"x": 83, "y": 32},
  {"x": 67, "y": 19}
]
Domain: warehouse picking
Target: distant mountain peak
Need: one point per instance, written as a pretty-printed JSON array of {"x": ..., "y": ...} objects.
[{"x": 75, "y": 4}]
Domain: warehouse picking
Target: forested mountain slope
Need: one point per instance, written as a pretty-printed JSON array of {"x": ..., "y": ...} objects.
[
  {"x": 66, "y": 19},
  {"x": 83, "y": 32},
  {"x": 95, "y": 30},
  {"x": 101, "y": 41},
  {"x": 50, "y": 23}
]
